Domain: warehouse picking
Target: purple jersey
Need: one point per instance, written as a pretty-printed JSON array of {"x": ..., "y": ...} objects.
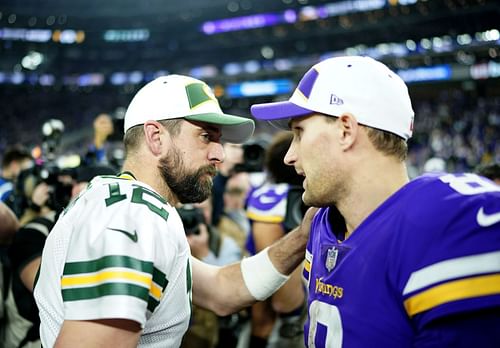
[
  {"x": 268, "y": 203},
  {"x": 431, "y": 250}
]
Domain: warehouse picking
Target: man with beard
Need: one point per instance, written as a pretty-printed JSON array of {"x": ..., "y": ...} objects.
[{"x": 116, "y": 269}]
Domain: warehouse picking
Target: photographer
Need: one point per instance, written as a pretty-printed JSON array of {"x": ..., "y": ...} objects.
[
  {"x": 274, "y": 209},
  {"x": 14, "y": 161},
  {"x": 22, "y": 325},
  {"x": 38, "y": 218},
  {"x": 247, "y": 158},
  {"x": 45, "y": 186},
  {"x": 206, "y": 242},
  {"x": 41, "y": 189},
  {"x": 208, "y": 245}
]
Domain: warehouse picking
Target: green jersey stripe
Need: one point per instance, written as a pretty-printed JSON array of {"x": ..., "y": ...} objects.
[
  {"x": 108, "y": 289},
  {"x": 160, "y": 278},
  {"x": 71, "y": 268},
  {"x": 152, "y": 304}
]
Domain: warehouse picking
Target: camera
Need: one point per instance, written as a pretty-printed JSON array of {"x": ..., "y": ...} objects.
[
  {"x": 295, "y": 208},
  {"x": 59, "y": 189},
  {"x": 253, "y": 158},
  {"x": 191, "y": 217},
  {"x": 52, "y": 131},
  {"x": 47, "y": 171},
  {"x": 118, "y": 119}
]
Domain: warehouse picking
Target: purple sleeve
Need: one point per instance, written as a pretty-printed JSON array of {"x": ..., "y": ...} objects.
[{"x": 473, "y": 329}]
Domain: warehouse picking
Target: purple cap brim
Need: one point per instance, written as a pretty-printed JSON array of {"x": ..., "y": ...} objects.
[{"x": 278, "y": 110}]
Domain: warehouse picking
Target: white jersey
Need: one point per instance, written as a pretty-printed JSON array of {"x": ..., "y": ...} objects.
[{"x": 118, "y": 251}]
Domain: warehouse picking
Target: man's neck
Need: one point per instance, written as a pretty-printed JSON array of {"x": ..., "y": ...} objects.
[
  {"x": 369, "y": 191},
  {"x": 145, "y": 173}
]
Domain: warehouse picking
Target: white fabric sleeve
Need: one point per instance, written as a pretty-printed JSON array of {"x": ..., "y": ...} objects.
[{"x": 260, "y": 276}]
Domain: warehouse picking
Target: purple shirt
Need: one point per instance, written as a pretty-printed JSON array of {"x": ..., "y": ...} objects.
[{"x": 431, "y": 250}]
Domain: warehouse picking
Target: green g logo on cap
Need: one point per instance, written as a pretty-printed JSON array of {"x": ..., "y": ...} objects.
[{"x": 199, "y": 93}]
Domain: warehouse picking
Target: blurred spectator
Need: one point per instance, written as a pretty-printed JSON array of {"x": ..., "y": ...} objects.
[
  {"x": 490, "y": 171},
  {"x": 269, "y": 209},
  {"x": 85, "y": 174},
  {"x": 9, "y": 224},
  {"x": 434, "y": 165},
  {"x": 233, "y": 156},
  {"x": 233, "y": 221},
  {"x": 14, "y": 161},
  {"x": 22, "y": 324},
  {"x": 8, "y": 227},
  {"x": 22, "y": 320},
  {"x": 41, "y": 189},
  {"x": 461, "y": 128},
  {"x": 208, "y": 245},
  {"x": 466, "y": 123},
  {"x": 206, "y": 242},
  {"x": 98, "y": 151}
]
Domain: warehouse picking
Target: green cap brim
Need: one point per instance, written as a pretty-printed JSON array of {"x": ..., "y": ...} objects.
[{"x": 235, "y": 129}]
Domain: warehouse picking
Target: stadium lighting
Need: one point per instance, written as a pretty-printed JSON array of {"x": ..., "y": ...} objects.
[
  {"x": 464, "y": 39},
  {"x": 32, "y": 60}
]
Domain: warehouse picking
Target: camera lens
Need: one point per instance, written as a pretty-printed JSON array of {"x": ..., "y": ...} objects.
[{"x": 191, "y": 218}]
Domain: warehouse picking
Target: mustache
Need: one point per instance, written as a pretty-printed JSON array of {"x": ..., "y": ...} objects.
[{"x": 208, "y": 169}]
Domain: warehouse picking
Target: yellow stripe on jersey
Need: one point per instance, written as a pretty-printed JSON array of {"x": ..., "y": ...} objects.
[
  {"x": 307, "y": 266},
  {"x": 102, "y": 277},
  {"x": 126, "y": 176},
  {"x": 453, "y": 291},
  {"x": 105, "y": 276},
  {"x": 460, "y": 267},
  {"x": 156, "y": 291},
  {"x": 112, "y": 275},
  {"x": 264, "y": 218}
]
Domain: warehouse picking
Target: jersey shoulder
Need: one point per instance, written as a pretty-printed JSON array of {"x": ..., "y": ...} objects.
[
  {"x": 268, "y": 203},
  {"x": 440, "y": 202},
  {"x": 448, "y": 245}
]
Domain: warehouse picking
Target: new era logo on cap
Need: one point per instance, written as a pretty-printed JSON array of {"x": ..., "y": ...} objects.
[
  {"x": 361, "y": 86},
  {"x": 334, "y": 100},
  {"x": 178, "y": 96}
]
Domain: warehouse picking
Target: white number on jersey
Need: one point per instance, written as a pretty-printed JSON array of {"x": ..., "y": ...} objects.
[
  {"x": 329, "y": 316},
  {"x": 469, "y": 184}
]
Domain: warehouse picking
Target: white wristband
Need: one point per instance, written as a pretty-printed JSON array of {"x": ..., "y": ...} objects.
[{"x": 260, "y": 276}]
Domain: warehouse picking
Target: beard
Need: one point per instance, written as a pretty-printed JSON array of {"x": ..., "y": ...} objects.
[{"x": 189, "y": 186}]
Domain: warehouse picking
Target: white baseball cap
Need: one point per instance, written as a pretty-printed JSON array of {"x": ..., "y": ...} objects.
[
  {"x": 178, "y": 96},
  {"x": 362, "y": 86}
]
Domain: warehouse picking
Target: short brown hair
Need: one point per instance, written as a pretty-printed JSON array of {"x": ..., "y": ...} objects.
[
  {"x": 15, "y": 154},
  {"x": 134, "y": 135},
  {"x": 388, "y": 143}
]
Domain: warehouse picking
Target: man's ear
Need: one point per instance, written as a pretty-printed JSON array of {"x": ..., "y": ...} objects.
[
  {"x": 152, "y": 136},
  {"x": 349, "y": 130}
]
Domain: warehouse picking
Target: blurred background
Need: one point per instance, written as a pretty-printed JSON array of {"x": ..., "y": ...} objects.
[
  {"x": 68, "y": 70},
  {"x": 73, "y": 60}
]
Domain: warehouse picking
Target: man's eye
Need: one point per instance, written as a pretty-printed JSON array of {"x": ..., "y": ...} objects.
[{"x": 297, "y": 133}]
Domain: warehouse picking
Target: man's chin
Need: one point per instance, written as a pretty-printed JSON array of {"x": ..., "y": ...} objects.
[
  {"x": 198, "y": 199},
  {"x": 312, "y": 201}
]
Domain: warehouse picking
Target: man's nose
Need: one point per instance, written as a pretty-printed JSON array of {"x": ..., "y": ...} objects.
[
  {"x": 290, "y": 156},
  {"x": 216, "y": 153}
]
